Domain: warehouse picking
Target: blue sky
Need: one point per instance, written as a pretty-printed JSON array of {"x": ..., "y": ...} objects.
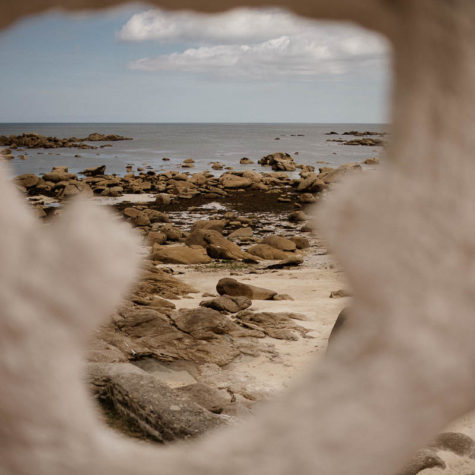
[{"x": 142, "y": 65}]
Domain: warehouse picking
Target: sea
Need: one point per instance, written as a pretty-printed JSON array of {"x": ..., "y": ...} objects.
[{"x": 205, "y": 143}]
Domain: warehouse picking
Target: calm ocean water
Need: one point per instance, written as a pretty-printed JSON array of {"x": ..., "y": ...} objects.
[{"x": 205, "y": 143}]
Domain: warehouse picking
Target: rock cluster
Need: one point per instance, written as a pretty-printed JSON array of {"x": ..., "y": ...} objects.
[
  {"x": 279, "y": 162},
  {"x": 34, "y": 140}
]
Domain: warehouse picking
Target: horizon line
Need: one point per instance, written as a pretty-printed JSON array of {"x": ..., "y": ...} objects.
[{"x": 196, "y": 123}]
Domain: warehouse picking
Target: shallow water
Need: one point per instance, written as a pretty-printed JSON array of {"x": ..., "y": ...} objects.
[{"x": 205, "y": 143}]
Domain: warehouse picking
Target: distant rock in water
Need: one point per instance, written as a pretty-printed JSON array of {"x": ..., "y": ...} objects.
[
  {"x": 279, "y": 161},
  {"x": 34, "y": 140}
]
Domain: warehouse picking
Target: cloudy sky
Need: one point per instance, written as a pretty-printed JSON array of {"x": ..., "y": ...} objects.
[{"x": 142, "y": 65}]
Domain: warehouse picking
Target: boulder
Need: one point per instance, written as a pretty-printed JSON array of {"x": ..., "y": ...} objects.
[
  {"x": 233, "y": 181},
  {"x": 58, "y": 174},
  {"x": 371, "y": 161},
  {"x": 202, "y": 323},
  {"x": 300, "y": 242},
  {"x": 227, "y": 303},
  {"x": 267, "y": 252},
  {"x": 156, "y": 237},
  {"x": 232, "y": 287},
  {"x": 280, "y": 243},
  {"x": 289, "y": 262},
  {"x": 180, "y": 255},
  {"x": 216, "y": 244},
  {"x": 279, "y": 162},
  {"x": 131, "y": 396},
  {"x": 28, "y": 180},
  {"x": 172, "y": 232}
]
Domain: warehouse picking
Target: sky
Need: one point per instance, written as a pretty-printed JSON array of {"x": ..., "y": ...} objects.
[{"x": 137, "y": 64}]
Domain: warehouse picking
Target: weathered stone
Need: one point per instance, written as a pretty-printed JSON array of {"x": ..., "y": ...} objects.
[
  {"x": 202, "y": 323},
  {"x": 232, "y": 287},
  {"x": 280, "y": 243},
  {"x": 205, "y": 396},
  {"x": 139, "y": 398},
  {"x": 227, "y": 303},
  {"x": 267, "y": 252},
  {"x": 28, "y": 180},
  {"x": 234, "y": 181}
]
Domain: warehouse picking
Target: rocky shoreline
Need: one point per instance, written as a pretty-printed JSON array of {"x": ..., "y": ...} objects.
[
  {"x": 236, "y": 231},
  {"x": 237, "y": 294}
]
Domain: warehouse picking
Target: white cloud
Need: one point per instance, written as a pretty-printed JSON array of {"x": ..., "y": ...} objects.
[{"x": 256, "y": 44}]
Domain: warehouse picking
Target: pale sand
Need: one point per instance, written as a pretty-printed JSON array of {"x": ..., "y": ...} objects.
[
  {"x": 271, "y": 372},
  {"x": 310, "y": 289}
]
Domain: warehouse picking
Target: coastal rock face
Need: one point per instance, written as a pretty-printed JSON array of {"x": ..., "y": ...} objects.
[
  {"x": 135, "y": 397},
  {"x": 180, "y": 255},
  {"x": 228, "y": 286},
  {"x": 279, "y": 162}
]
